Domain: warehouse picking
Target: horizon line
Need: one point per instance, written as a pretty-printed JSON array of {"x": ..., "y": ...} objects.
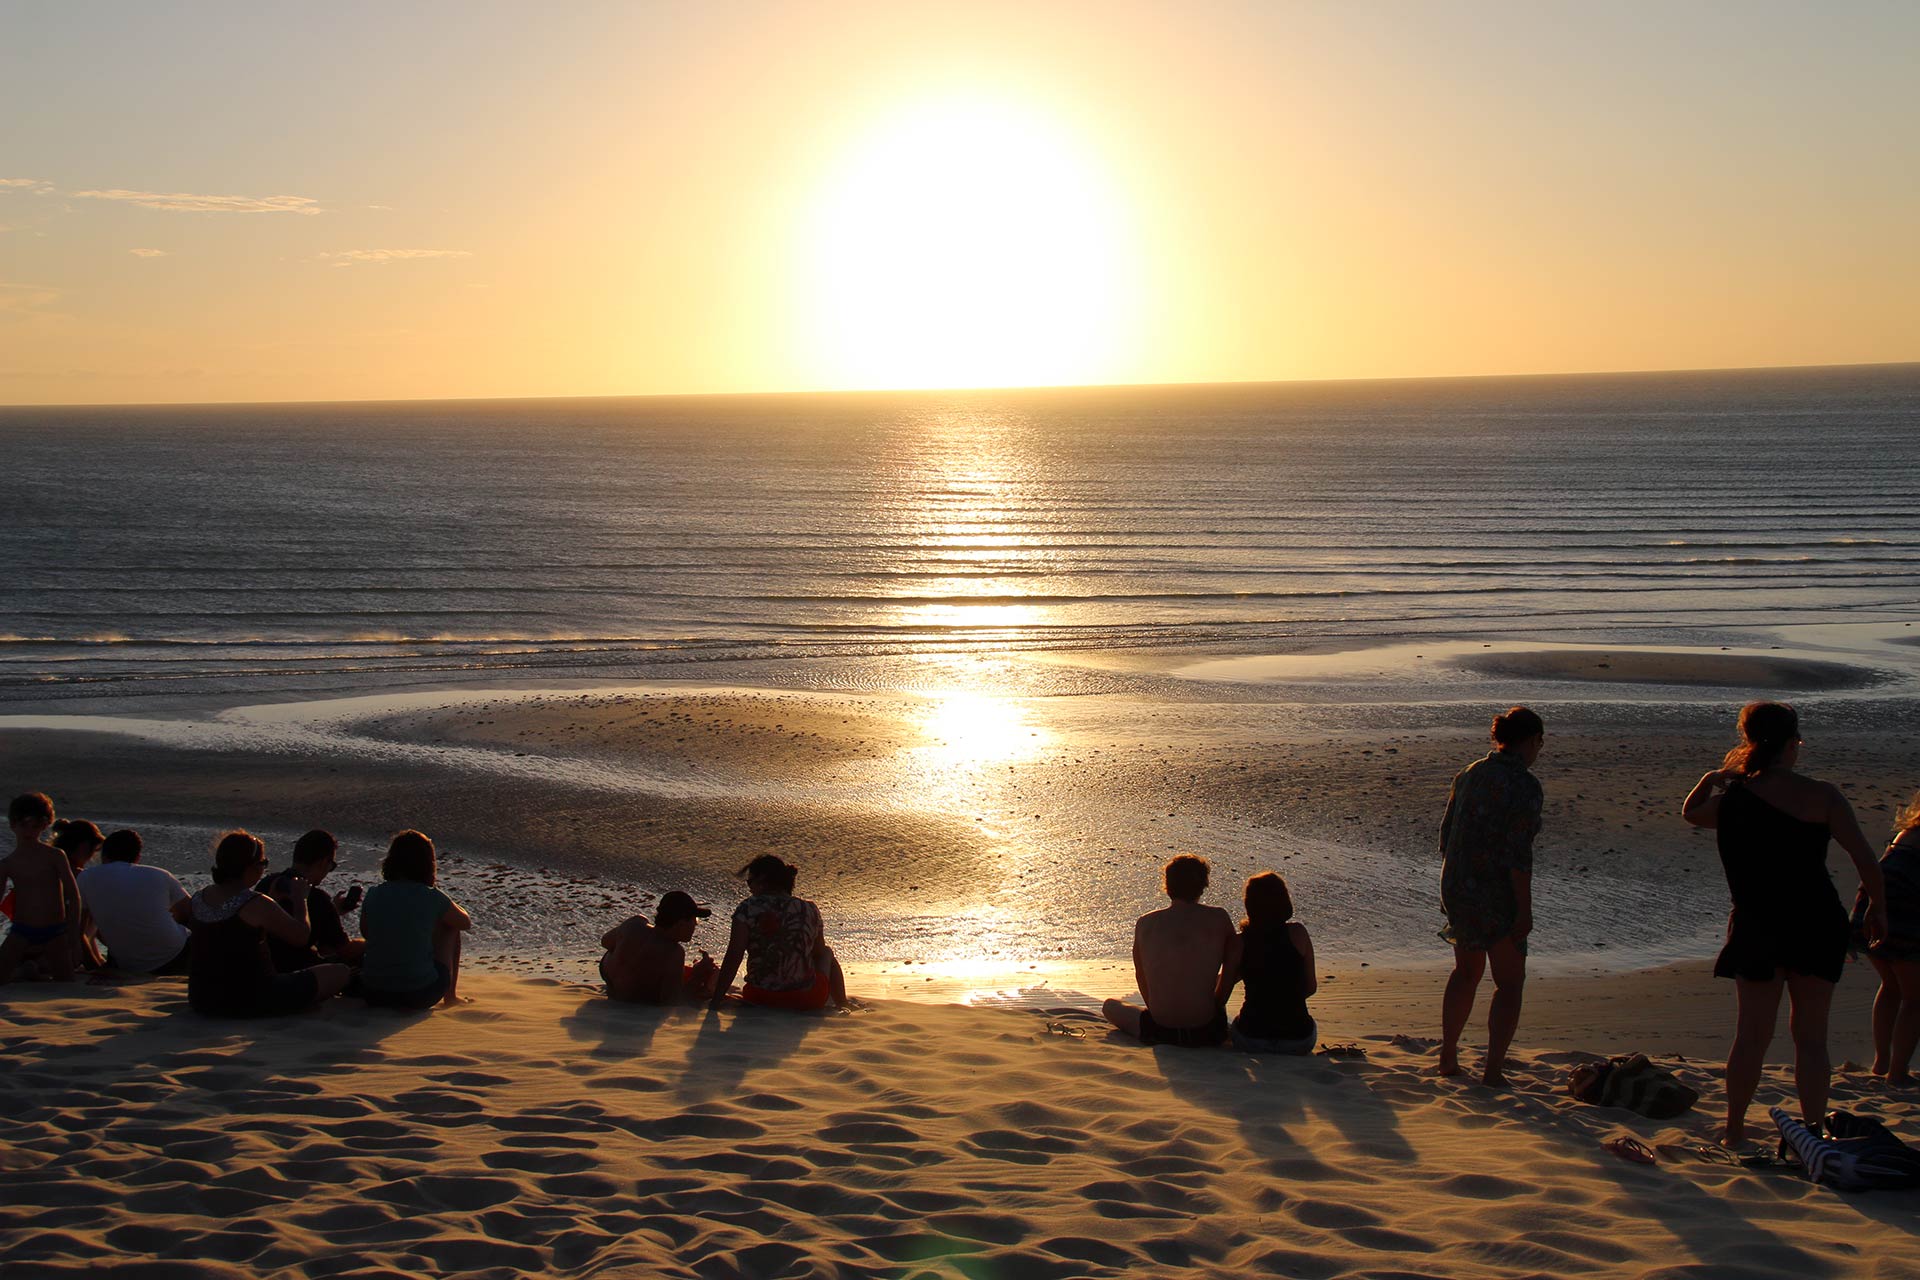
[{"x": 914, "y": 391}]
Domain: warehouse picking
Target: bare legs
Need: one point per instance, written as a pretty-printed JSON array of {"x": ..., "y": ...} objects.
[
  {"x": 1812, "y": 1068},
  {"x": 1509, "y": 965},
  {"x": 1753, "y": 1031},
  {"x": 1503, "y": 1019},
  {"x": 1123, "y": 1015},
  {"x": 836, "y": 980},
  {"x": 332, "y": 979},
  {"x": 1759, "y": 1009},
  {"x": 446, "y": 950},
  {"x": 1896, "y": 1019}
]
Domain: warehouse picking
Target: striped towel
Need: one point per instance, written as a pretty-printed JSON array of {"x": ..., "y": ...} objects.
[{"x": 1868, "y": 1158}]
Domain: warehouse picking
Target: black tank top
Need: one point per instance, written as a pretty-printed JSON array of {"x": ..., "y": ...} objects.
[
  {"x": 230, "y": 958},
  {"x": 1776, "y": 864},
  {"x": 1271, "y": 967}
]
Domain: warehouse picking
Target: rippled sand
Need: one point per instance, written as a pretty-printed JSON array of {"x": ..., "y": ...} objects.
[{"x": 542, "y": 1130}]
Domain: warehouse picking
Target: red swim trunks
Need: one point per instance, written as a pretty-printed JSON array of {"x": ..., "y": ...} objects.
[{"x": 813, "y": 997}]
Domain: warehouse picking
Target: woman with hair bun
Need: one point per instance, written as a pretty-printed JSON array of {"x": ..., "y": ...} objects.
[
  {"x": 1486, "y": 887},
  {"x": 784, "y": 944},
  {"x": 1787, "y": 930}
]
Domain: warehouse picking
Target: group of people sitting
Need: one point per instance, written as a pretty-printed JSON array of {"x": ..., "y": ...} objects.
[
  {"x": 250, "y": 944},
  {"x": 253, "y": 944}
]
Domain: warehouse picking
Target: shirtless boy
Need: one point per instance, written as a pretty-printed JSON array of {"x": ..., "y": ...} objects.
[
  {"x": 1178, "y": 954},
  {"x": 46, "y": 905},
  {"x": 647, "y": 963}
]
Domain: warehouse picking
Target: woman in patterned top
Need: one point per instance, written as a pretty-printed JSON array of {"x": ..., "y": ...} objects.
[
  {"x": 1896, "y": 957},
  {"x": 1486, "y": 887},
  {"x": 789, "y": 965}
]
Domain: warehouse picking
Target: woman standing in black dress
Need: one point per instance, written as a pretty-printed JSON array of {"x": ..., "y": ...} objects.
[{"x": 1787, "y": 930}]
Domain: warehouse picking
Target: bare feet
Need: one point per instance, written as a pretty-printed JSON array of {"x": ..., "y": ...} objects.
[
  {"x": 1901, "y": 1081},
  {"x": 1733, "y": 1135},
  {"x": 1494, "y": 1080},
  {"x": 1444, "y": 1067},
  {"x": 451, "y": 1001}
]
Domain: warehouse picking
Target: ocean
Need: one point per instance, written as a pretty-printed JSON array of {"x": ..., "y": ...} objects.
[{"x": 248, "y": 548}]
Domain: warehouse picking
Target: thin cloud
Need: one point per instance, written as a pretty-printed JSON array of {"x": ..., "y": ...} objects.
[
  {"x": 19, "y": 299},
  {"x": 148, "y": 253},
  {"x": 182, "y": 202},
  {"x": 361, "y": 257},
  {"x": 21, "y": 182}
]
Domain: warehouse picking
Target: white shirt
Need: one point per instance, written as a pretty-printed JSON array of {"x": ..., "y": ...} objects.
[{"x": 129, "y": 904}]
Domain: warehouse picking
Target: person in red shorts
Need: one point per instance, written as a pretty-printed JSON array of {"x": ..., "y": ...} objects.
[{"x": 789, "y": 965}]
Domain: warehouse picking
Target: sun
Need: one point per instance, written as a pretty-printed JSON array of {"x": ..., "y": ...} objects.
[{"x": 969, "y": 242}]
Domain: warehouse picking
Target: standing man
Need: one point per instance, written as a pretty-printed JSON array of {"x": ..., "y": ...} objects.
[
  {"x": 1179, "y": 953},
  {"x": 1486, "y": 887}
]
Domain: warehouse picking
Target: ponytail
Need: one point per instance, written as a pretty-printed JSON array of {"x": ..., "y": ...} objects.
[{"x": 1767, "y": 729}]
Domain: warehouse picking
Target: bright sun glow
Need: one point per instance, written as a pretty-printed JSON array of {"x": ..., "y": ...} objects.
[
  {"x": 970, "y": 243},
  {"x": 975, "y": 728}
]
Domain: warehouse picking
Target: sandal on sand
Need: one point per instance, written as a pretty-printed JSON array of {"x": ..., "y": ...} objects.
[
  {"x": 1630, "y": 1149},
  {"x": 1060, "y": 1028},
  {"x": 1343, "y": 1051}
]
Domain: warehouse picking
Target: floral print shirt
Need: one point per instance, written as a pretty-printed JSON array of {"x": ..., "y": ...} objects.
[{"x": 783, "y": 932}]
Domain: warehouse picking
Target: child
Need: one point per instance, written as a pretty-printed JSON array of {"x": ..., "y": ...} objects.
[{"x": 46, "y": 911}]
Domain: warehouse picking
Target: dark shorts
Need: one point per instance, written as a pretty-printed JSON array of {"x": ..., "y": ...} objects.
[
  {"x": 423, "y": 998},
  {"x": 37, "y": 935},
  {"x": 1201, "y": 1037},
  {"x": 1761, "y": 948},
  {"x": 281, "y": 993}
]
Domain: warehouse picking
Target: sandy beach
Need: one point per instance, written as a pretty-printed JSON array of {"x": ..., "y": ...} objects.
[
  {"x": 542, "y": 1130},
  {"x": 979, "y": 859}
]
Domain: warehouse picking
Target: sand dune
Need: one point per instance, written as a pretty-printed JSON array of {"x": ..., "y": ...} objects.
[{"x": 542, "y": 1130}]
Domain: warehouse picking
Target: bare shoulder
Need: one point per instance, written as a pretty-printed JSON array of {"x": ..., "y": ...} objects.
[{"x": 1150, "y": 923}]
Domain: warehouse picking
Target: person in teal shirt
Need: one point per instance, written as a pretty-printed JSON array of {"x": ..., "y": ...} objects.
[{"x": 413, "y": 931}]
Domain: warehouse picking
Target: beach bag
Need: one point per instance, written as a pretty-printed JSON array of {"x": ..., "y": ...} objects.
[
  {"x": 1857, "y": 1153},
  {"x": 1631, "y": 1082}
]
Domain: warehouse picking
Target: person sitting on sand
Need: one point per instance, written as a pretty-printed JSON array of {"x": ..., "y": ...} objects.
[
  {"x": 1276, "y": 963},
  {"x": 647, "y": 963},
  {"x": 782, "y": 939},
  {"x": 231, "y": 973},
  {"x": 412, "y": 957},
  {"x": 1486, "y": 887},
  {"x": 80, "y": 840},
  {"x": 1182, "y": 954},
  {"x": 1787, "y": 929},
  {"x": 131, "y": 907},
  {"x": 46, "y": 902},
  {"x": 1896, "y": 957},
  {"x": 314, "y": 856}
]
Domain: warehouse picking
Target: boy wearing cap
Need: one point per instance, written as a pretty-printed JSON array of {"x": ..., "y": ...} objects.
[{"x": 647, "y": 963}]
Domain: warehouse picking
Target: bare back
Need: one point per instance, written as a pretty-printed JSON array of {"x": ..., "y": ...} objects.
[
  {"x": 41, "y": 876},
  {"x": 1807, "y": 799},
  {"x": 643, "y": 965},
  {"x": 1178, "y": 953}
]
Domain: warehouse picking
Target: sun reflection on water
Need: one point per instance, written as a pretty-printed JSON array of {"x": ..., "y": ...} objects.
[{"x": 979, "y": 728}]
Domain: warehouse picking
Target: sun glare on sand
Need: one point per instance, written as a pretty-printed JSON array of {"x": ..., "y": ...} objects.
[{"x": 970, "y": 243}]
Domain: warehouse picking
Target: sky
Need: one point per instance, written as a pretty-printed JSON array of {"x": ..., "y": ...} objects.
[{"x": 219, "y": 202}]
